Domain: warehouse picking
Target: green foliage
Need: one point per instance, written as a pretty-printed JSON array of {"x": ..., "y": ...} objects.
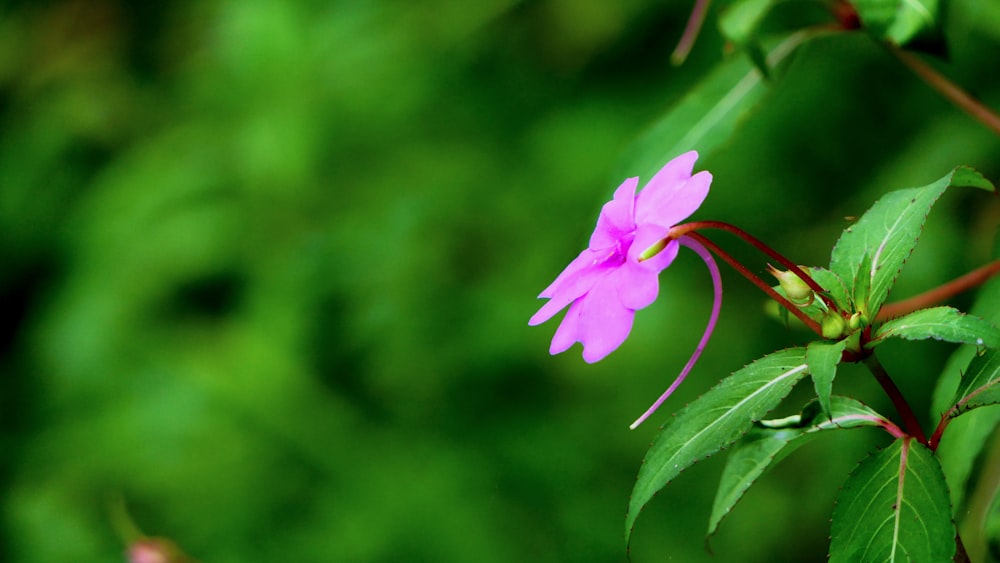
[
  {"x": 834, "y": 287},
  {"x": 261, "y": 259},
  {"x": 715, "y": 420},
  {"x": 901, "y": 21},
  {"x": 979, "y": 384},
  {"x": 940, "y": 323},
  {"x": 872, "y": 251},
  {"x": 708, "y": 115},
  {"x": 740, "y": 21},
  {"x": 770, "y": 441},
  {"x": 894, "y": 506},
  {"x": 823, "y": 358}
]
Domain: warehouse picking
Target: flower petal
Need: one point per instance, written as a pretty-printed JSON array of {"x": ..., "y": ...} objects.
[
  {"x": 679, "y": 204},
  {"x": 604, "y": 322},
  {"x": 664, "y": 184},
  {"x": 568, "y": 332},
  {"x": 663, "y": 259},
  {"x": 584, "y": 261},
  {"x": 616, "y": 219},
  {"x": 637, "y": 285},
  {"x": 572, "y": 288}
]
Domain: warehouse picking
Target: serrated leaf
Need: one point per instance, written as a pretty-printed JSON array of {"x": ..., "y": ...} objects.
[
  {"x": 900, "y": 21},
  {"x": 834, "y": 287},
  {"x": 861, "y": 293},
  {"x": 894, "y": 507},
  {"x": 887, "y": 233},
  {"x": 823, "y": 358},
  {"x": 980, "y": 385},
  {"x": 940, "y": 323},
  {"x": 708, "y": 115},
  {"x": 713, "y": 421},
  {"x": 764, "y": 446},
  {"x": 968, "y": 434}
]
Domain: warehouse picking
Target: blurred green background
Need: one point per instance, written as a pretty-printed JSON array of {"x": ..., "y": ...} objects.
[{"x": 267, "y": 270}]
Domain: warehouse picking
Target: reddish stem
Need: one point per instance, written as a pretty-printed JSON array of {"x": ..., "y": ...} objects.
[
  {"x": 725, "y": 256},
  {"x": 940, "y": 293},
  {"x": 910, "y": 421},
  {"x": 935, "y": 440},
  {"x": 686, "y": 228},
  {"x": 956, "y": 95}
]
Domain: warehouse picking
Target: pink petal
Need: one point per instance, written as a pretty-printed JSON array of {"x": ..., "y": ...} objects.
[
  {"x": 665, "y": 258},
  {"x": 568, "y": 288},
  {"x": 604, "y": 322},
  {"x": 646, "y": 235},
  {"x": 568, "y": 332},
  {"x": 670, "y": 208},
  {"x": 616, "y": 219},
  {"x": 664, "y": 184},
  {"x": 584, "y": 261},
  {"x": 637, "y": 285}
]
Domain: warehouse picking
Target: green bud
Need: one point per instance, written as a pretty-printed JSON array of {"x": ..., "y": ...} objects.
[
  {"x": 797, "y": 290},
  {"x": 833, "y": 325},
  {"x": 653, "y": 250},
  {"x": 855, "y": 322}
]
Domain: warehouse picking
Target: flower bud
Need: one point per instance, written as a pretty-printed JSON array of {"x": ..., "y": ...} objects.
[
  {"x": 833, "y": 325},
  {"x": 855, "y": 322},
  {"x": 797, "y": 290}
]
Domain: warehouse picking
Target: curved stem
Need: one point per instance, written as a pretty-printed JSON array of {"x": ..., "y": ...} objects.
[
  {"x": 910, "y": 421},
  {"x": 713, "y": 269},
  {"x": 691, "y": 30},
  {"x": 681, "y": 230},
  {"x": 940, "y": 293},
  {"x": 813, "y": 325},
  {"x": 956, "y": 95}
]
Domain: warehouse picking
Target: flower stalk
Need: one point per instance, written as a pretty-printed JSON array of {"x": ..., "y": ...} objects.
[
  {"x": 756, "y": 280},
  {"x": 910, "y": 421}
]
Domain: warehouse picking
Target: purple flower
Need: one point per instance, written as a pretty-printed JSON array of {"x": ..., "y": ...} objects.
[
  {"x": 618, "y": 273},
  {"x": 608, "y": 283}
]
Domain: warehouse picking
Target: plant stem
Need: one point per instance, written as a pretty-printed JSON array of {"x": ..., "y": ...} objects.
[
  {"x": 956, "y": 95},
  {"x": 725, "y": 256},
  {"x": 691, "y": 30},
  {"x": 940, "y": 293},
  {"x": 910, "y": 421},
  {"x": 681, "y": 230}
]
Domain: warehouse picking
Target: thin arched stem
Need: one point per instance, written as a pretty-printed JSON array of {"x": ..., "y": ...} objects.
[
  {"x": 713, "y": 269},
  {"x": 686, "y": 228},
  {"x": 754, "y": 279}
]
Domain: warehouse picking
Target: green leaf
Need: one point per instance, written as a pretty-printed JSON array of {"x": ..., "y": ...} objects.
[
  {"x": 894, "y": 507},
  {"x": 708, "y": 115},
  {"x": 713, "y": 421},
  {"x": 969, "y": 433},
  {"x": 940, "y": 323},
  {"x": 823, "y": 358},
  {"x": 834, "y": 286},
  {"x": 900, "y": 21},
  {"x": 887, "y": 234},
  {"x": 739, "y": 23},
  {"x": 979, "y": 384},
  {"x": 768, "y": 443}
]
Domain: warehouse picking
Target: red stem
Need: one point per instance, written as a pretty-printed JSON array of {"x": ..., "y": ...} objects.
[
  {"x": 910, "y": 421},
  {"x": 813, "y": 325},
  {"x": 940, "y": 293},
  {"x": 956, "y": 95},
  {"x": 686, "y": 228}
]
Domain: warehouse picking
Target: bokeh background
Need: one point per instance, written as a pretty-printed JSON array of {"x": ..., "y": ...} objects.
[{"x": 267, "y": 268}]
